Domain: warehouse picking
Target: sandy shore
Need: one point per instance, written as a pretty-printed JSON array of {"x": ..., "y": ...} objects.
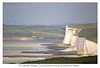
[{"x": 53, "y": 52}]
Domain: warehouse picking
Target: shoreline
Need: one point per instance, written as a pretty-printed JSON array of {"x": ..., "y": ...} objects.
[
  {"x": 30, "y": 56},
  {"x": 53, "y": 52},
  {"x": 33, "y": 58}
]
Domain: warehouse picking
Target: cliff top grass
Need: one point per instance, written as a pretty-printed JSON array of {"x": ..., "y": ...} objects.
[
  {"x": 84, "y": 26},
  {"x": 66, "y": 60},
  {"x": 89, "y": 31}
]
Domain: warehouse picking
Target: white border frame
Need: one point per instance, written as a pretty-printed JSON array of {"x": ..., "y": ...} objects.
[{"x": 17, "y": 65}]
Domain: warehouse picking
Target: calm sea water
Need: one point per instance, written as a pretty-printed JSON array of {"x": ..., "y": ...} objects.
[{"x": 26, "y": 48}]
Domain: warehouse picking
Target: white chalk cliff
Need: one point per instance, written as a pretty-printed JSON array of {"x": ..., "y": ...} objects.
[
  {"x": 71, "y": 35},
  {"x": 81, "y": 45},
  {"x": 70, "y": 38},
  {"x": 86, "y": 47}
]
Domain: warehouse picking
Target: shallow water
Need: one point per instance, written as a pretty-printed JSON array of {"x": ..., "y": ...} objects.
[
  {"x": 18, "y": 47},
  {"x": 21, "y": 51}
]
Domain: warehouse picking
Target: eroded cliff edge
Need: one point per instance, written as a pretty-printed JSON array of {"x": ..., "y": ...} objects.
[{"x": 80, "y": 44}]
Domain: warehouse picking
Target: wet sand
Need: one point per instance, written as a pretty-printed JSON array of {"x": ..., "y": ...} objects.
[{"x": 52, "y": 51}]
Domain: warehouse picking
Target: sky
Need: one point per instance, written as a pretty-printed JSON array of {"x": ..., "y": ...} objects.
[{"x": 49, "y": 13}]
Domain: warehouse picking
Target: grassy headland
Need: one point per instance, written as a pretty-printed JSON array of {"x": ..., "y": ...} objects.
[{"x": 89, "y": 31}]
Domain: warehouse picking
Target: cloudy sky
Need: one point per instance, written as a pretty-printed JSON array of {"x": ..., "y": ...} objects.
[{"x": 49, "y": 13}]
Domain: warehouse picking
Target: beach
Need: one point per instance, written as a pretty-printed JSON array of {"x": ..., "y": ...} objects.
[{"x": 20, "y": 51}]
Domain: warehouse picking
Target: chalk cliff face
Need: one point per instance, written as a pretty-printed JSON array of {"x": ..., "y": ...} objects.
[
  {"x": 90, "y": 48},
  {"x": 71, "y": 35},
  {"x": 16, "y": 38},
  {"x": 74, "y": 40},
  {"x": 86, "y": 47},
  {"x": 81, "y": 45},
  {"x": 68, "y": 37}
]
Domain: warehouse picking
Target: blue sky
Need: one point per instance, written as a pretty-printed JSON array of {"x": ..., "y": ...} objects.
[{"x": 49, "y": 13}]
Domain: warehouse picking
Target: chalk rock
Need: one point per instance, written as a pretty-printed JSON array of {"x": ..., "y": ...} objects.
[
  {"x": 74, "y": 40},
  {"x": 90, "y": 48},
  {"x": 80, "y": 45},
  {"x": 68, "y": 35},
  {"x": 71, "y": 35},
  {"x": 86, "y": 47}
]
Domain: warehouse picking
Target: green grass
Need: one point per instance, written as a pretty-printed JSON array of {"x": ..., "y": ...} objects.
[
  {"x": 90, "y": 34},
  {"x": 65, "y": 60},
  {"x": 84, "y": 26},
  {"x": 28, "y": 31},
  {"x": 89, "y": 31}
]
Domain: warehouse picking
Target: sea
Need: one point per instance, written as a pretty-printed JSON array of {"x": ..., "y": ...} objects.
[
  {"x": 33, "y": 50},
  {"x": 20, "y": 51}
]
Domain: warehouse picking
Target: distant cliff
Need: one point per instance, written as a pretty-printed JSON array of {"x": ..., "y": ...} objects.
[
  {"x": 80, "y": 44},
  {"x": 16, "y": 38}
]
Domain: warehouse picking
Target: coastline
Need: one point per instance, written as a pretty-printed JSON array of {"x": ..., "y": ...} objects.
[{"x": 53, "y": 52}]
